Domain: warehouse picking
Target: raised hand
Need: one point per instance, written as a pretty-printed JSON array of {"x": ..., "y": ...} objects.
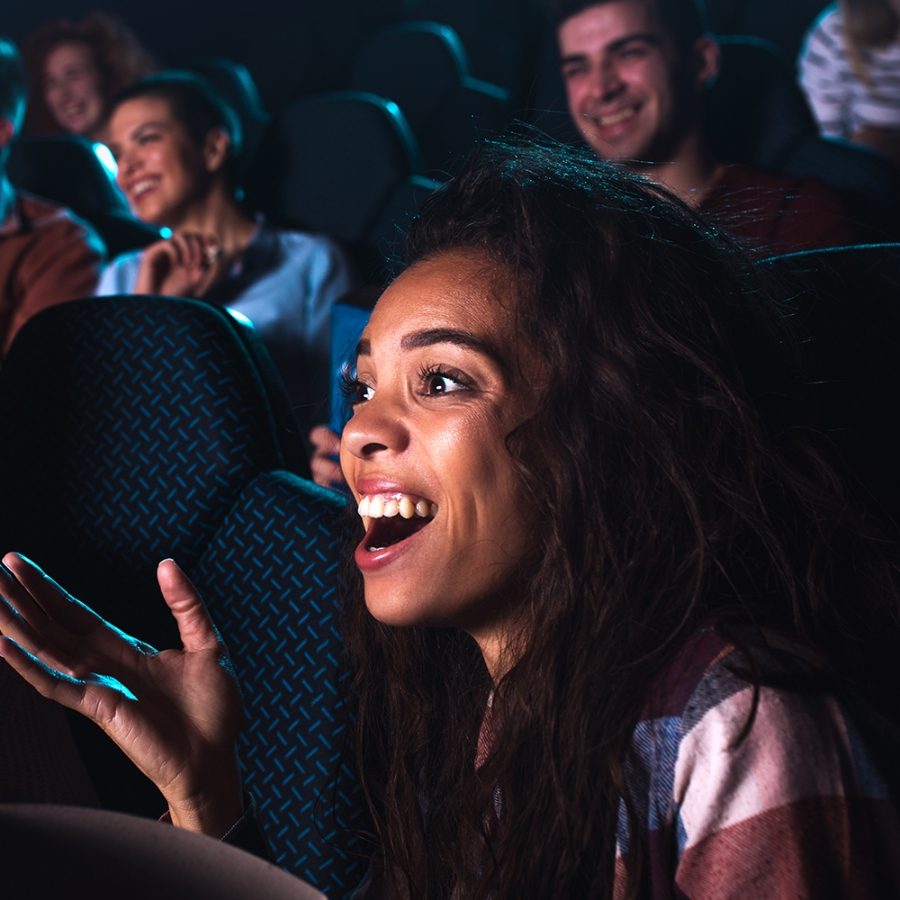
[
  {"x": 184, "y": 265},
  {"x": 175, "y": 713}
]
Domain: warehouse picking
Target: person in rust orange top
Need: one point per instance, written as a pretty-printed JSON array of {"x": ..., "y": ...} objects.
[{"x": 47, "y": 255}]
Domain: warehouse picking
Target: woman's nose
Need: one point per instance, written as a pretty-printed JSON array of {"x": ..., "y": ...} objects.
[
  {"x": 126, "y": 163},
  {"x": 376, "y": 427}
]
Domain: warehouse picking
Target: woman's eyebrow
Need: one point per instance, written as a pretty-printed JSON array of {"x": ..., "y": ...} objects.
[{"x": 430, "y": 336}]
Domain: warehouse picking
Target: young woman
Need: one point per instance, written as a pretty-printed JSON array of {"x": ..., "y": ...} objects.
[
  {"x": 75, "y": 69},
  {"x": 177, "y": 144},
  {"x": 850, "y": 71},
  {"x": 615, "y": 626}
]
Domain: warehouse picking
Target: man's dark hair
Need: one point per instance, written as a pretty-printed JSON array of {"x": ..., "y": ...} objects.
[
  {"x": 194, "y": 103},
  {"x": 12, "y": 81},
  {"x": 685, "y": 20}
]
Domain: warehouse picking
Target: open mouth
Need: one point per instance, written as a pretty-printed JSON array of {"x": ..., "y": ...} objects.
[
  {"x": 392, "y": 518},
  {"x": 137, "y": 190}
]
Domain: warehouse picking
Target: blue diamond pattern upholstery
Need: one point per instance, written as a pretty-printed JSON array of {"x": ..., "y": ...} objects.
[
  {"x": 270, "y": 579},
  {"x": 129, "y": 427}
]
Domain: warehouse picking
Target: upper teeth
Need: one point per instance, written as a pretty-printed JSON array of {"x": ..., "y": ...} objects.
[
  {"x": 614, "y": 118},
  {"x": 377, "y": 505},
  {"x": 141, "y": 186}
]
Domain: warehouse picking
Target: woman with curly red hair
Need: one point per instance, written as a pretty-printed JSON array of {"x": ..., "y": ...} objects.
[{"x": 75, "y": 69}]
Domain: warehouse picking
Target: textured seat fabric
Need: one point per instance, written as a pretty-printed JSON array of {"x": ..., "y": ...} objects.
[
  {"x": 133, "y": 423},
  {"x": 130, "y": 425},
  {"x": 270, "y": 579}
]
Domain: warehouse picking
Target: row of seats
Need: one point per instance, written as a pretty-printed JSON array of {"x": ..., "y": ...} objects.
[
  {"x": 357, "y": 163},
  {"x": 139, "y": 428}
]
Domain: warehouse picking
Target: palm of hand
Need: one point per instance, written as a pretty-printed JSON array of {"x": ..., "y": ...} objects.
[
  {"x": 176, "y": 713},
  {"x": 168, "y": 711}
]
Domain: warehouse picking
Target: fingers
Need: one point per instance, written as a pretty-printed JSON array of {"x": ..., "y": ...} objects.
[
  {"x": 48, "y": 621},
  {"x": 48, "y": 682},
  {"x": 198, "y": 252},
  {"x": 97, "y": 697},
  {"x": 325, "y": 440},
  {"x": 43, "y": 597},
  {"x": 30, "y": 616},
  {"x": 194, "y": 624},
  {"x": 185, "y": 264},
  {"x": 325, "y": 471},
  {"x": 324, "y": 464}
]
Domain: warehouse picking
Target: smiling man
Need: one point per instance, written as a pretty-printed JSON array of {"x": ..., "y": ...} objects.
[{"x": 635, "y": 73}]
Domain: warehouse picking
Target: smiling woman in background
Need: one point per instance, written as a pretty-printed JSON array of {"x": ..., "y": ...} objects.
[
  {"x": 616, "y": 625},
  {"x": 177, "y": 144},
  {"x": 74, "y": 71}
]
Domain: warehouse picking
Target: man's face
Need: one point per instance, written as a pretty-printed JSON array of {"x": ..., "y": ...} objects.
[{"x": 630, "y": 92}]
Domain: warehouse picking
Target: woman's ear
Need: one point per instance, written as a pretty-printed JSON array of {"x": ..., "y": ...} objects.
[
  {"x": 707, "y": 59},
  {"x": 216, "y": 149}
]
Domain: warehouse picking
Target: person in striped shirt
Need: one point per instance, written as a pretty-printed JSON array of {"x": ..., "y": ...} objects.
[{"x": 849, "y": 68}]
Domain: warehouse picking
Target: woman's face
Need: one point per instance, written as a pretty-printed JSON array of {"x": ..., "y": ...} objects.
[
  {"x": 440, "y": 386},
  {"x": 161, "y": 169},
  {"x": 72, "y": 89}
]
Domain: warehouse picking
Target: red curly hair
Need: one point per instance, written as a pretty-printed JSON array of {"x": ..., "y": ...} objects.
[{"x": 119, "y": 55}]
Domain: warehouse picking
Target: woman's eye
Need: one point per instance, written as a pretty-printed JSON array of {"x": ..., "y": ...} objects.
[
  {"x": 438, "y": 383},
  {"x": 353, "y": 390}
]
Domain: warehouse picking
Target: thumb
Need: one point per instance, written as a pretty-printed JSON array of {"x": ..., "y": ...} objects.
[{"x": 195, "y": 627}]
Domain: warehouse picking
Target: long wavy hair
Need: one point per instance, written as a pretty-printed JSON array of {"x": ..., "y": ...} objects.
[
  {"x": 118, "y": 54},
  {"x": 868, "y": 24},
  {"x": 677, "y": 487}
]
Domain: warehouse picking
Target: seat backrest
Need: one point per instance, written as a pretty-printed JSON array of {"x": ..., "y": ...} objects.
[
  {"x": 868, "y": 183},
  {"x": 755, "y": 110},
  {"x": 130, "y": 425},
  {"x": 270, "y": 580},
  {"x": 499, "y": 37},
  {"x": 845, "y": 305},
  {"x": 69, "y": 171},
  {"x": 329, "y": 163},
  {"x": 782, "y": 24},
  {"x": 135, "y": 421},
  {"x": 422, "y": 66}
]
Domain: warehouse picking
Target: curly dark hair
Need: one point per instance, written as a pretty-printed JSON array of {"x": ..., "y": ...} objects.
[
  {"x": 119, "y": 55},
  {"x": 678, "y": 486}
]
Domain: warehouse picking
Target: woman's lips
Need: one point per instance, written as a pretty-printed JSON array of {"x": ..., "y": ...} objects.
[{"x": 392, "y": 519}]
